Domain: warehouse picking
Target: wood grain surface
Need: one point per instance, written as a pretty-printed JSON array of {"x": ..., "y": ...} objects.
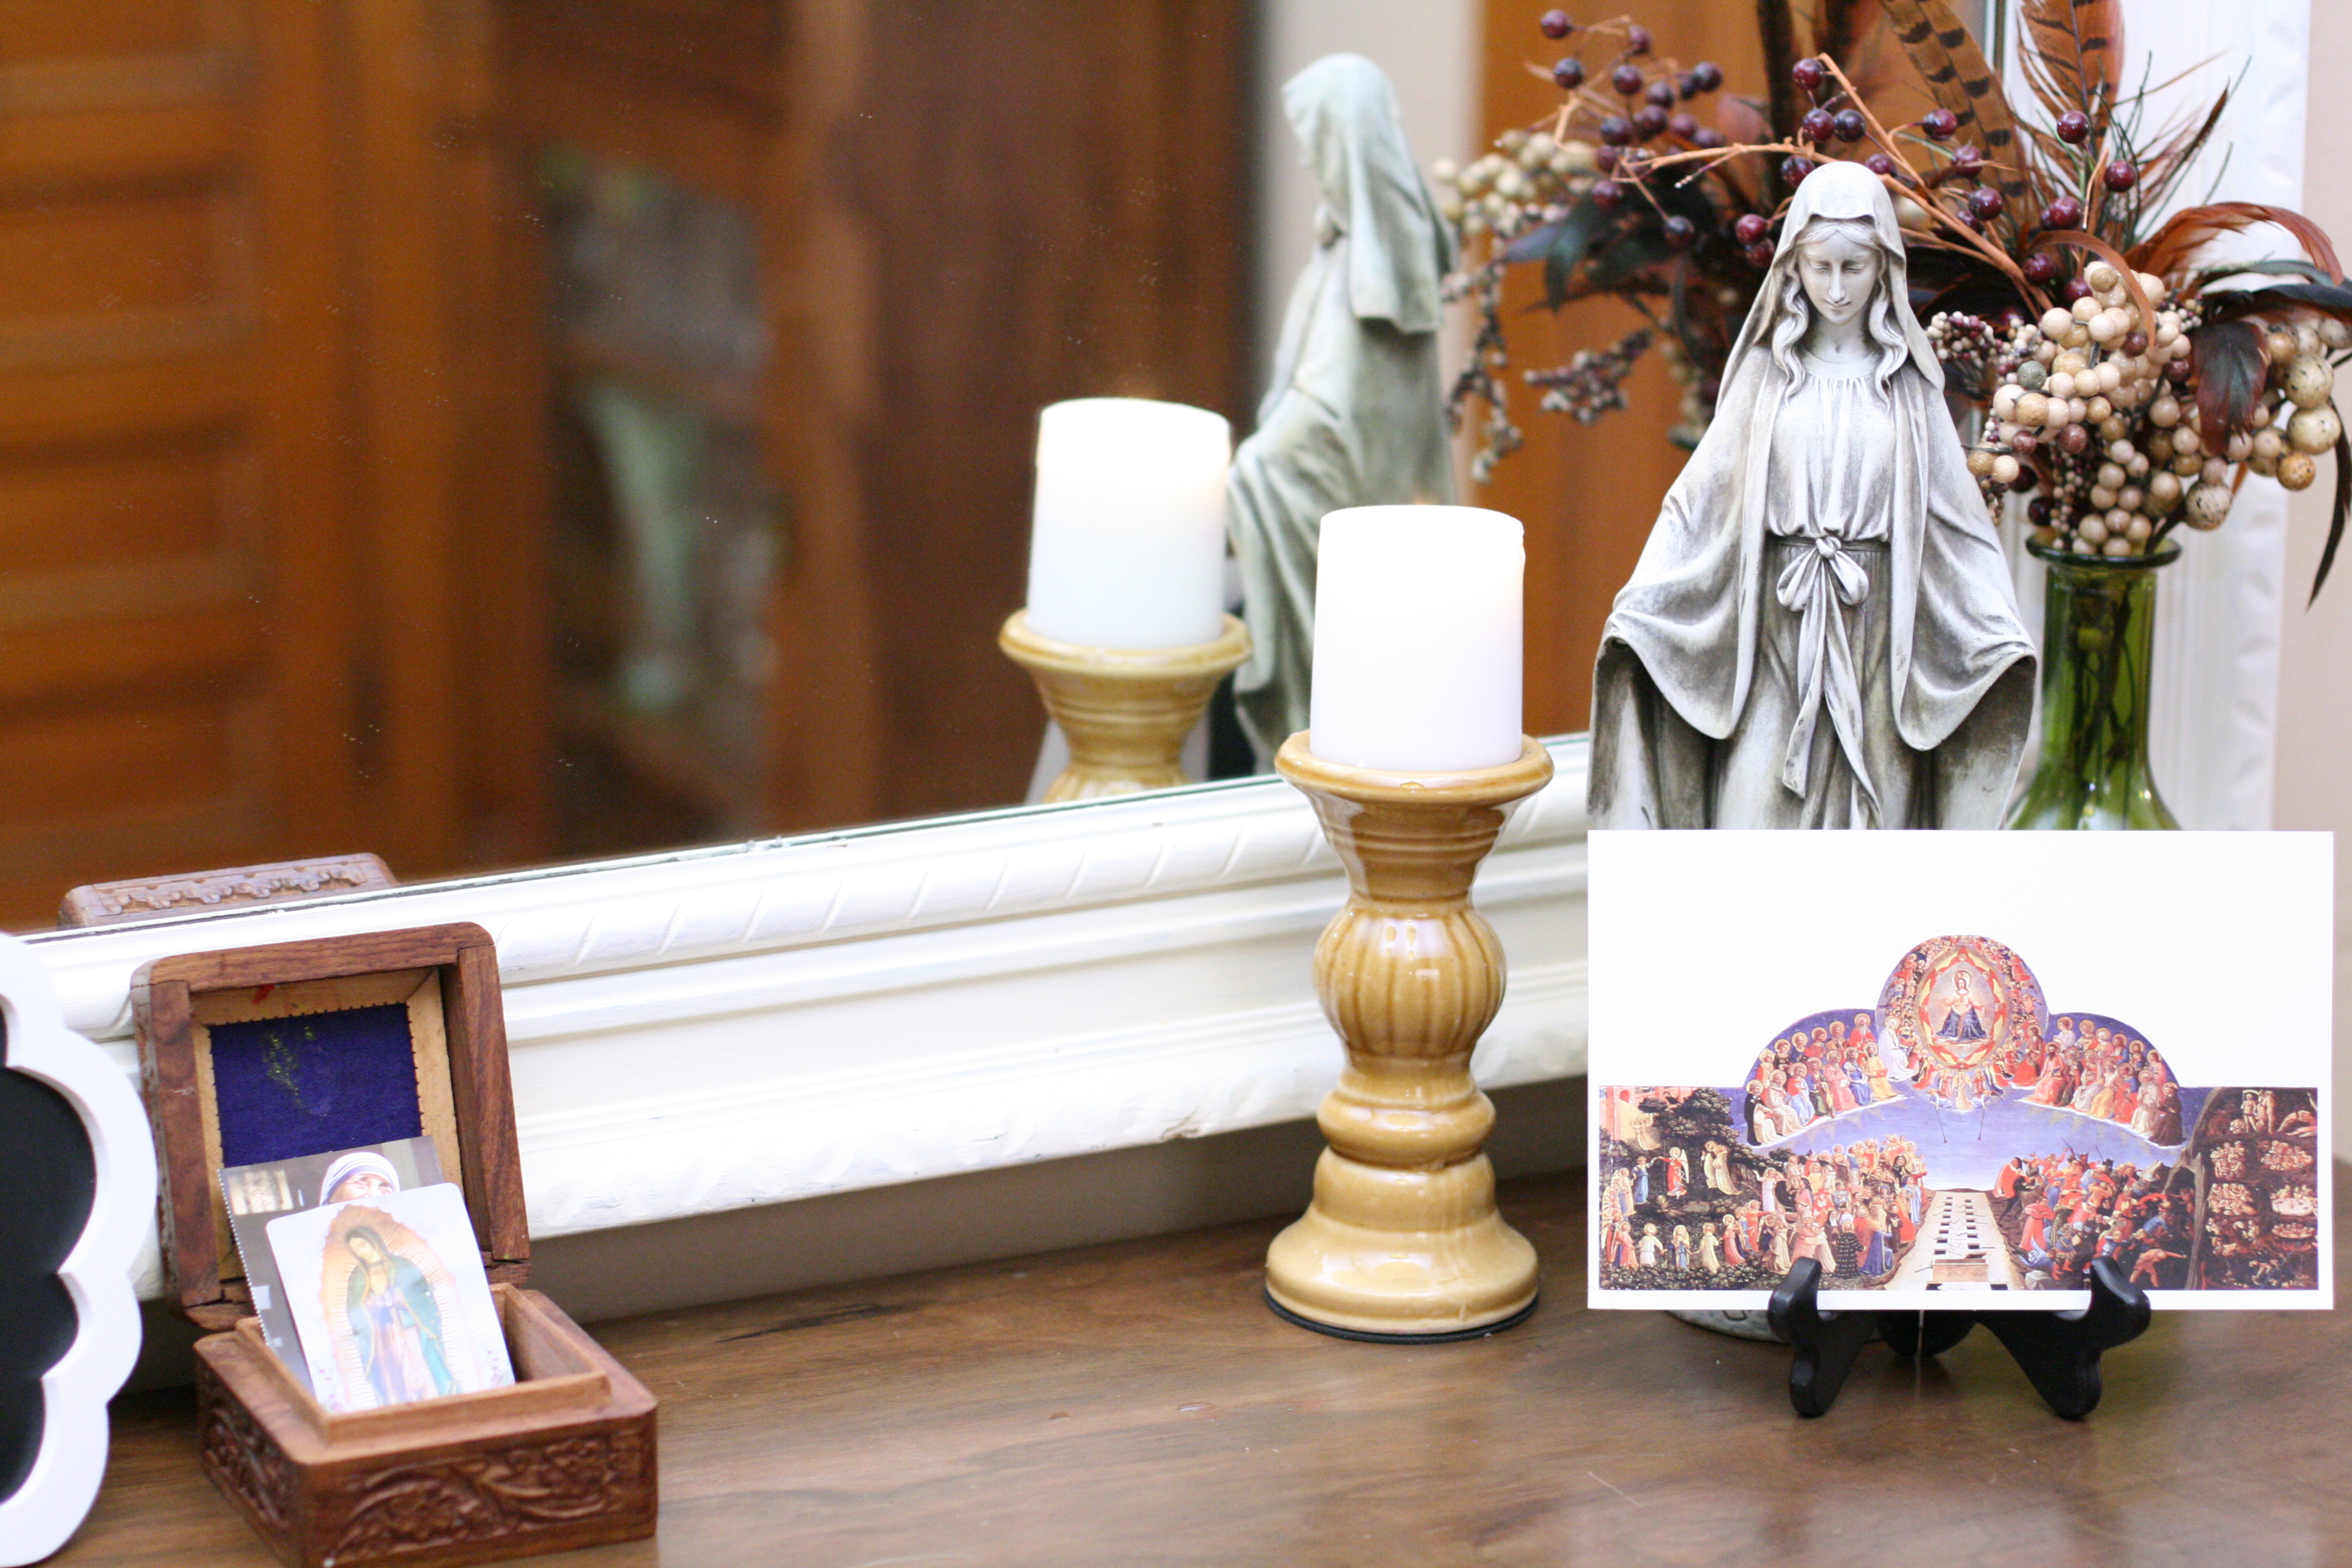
[{"x": 1136, "y": 1404}]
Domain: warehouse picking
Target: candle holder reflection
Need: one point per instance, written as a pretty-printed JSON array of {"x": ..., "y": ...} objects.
[
  {"x": 1125, "y": 712},
  {"x": 1404, "y": 1240}
]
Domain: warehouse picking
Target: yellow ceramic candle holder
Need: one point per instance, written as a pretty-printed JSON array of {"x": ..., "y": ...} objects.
[
  {"x": 1403, "y": 1240},
  {"x": 1125, "y": 712}
]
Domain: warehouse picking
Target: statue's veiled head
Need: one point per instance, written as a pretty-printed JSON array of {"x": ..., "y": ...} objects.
[{"x": 1840, "y": 254}]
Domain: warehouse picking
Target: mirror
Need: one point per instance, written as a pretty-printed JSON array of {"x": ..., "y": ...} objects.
[{"x": 494, "y": 432}]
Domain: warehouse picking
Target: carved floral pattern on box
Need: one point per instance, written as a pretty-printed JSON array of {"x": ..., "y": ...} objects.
[{"x": 416, "y": 1507}]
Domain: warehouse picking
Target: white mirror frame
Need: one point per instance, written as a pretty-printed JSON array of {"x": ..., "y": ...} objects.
[
  {"x": 56, "y": 1493},
  {"x": 771, "y": 1022}
]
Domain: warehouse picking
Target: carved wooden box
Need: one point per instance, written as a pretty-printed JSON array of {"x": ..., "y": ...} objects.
[{"x": 563, "y": 1458}]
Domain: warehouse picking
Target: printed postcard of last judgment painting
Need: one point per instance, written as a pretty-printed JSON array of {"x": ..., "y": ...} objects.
[{"x": 1958, "y": 1069}]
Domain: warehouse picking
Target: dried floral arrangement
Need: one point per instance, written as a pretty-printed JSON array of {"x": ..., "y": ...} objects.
[{"x": 2127, "y": 382}]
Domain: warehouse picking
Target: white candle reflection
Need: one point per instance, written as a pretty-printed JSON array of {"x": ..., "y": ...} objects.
[{"x": 1129, "y": 544}]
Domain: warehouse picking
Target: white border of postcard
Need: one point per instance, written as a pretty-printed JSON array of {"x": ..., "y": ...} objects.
[{"x": 2220, "y": 945}]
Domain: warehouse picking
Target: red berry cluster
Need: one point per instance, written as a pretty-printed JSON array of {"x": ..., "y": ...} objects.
[
  {"x": 1651, "y": 108},
  {"x": 1593, "y": 382}
]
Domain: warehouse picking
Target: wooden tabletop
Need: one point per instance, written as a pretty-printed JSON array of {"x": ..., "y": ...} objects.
[{"x": 1138, "y": 1404}]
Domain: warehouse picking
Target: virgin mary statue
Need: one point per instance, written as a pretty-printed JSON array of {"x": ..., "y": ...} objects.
[
  {"x": 1821, "y": 631},
  {"x": 1356, "y": 412}
]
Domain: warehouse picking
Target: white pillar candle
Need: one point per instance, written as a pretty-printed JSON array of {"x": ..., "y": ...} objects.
[
  {"x": 1128, "y": 550},
  {"x": 1417, "y": 639}
]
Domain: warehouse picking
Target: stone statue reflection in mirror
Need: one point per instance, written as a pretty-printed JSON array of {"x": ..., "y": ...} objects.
[
  {"x": 1355, "y": 412},
  {"x": 1821, "y": 631}
]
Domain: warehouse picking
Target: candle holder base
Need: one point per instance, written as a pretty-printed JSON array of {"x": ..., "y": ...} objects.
[
  {"x": 1366, "y": 1336},
  {"x": 1125, "y": 712},
  {"x": 1404, "y": 1241}
]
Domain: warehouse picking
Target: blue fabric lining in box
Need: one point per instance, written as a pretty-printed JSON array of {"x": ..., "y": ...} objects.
[{"x": 284, "y": 1088}]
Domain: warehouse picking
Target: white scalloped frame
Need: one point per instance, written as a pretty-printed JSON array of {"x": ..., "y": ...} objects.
[{"x": 56, "y": 1493}]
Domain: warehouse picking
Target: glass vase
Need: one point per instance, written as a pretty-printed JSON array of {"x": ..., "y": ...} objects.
[{"x": 2097, "y": 644}]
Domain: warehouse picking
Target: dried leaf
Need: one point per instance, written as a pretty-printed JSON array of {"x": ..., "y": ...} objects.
[
  {"x": 2336, "y": 517},
  {"x": 1530, "y": 243},
  {"x": 2074, "y": 55},
  {"x": 1565, "y": 248},
  {"x": 1881, "y": 72},
  {"x": 1678, "y": 316},
  {"x": 1743, "y": 120},
  {"x": 1839, "y": 26},
  {"x": 1957, "y": 75},
  {"x": 2227, "y": 361},
  {"x": 2270, "y": 266},
  {"x": 2168, "y": 252},
  {"x": 2285, "y": 298}
]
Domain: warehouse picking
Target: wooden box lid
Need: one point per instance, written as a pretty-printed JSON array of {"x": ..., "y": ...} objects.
[{"x": 447, "y": 976}]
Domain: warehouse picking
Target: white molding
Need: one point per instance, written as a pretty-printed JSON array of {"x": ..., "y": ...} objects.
[
  {"x": 56, "y": 1494},
  {"x": 777, "y": 1021}
]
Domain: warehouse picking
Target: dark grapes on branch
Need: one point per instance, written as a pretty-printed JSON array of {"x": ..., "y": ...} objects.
[{"x": 1594, "y": 382}]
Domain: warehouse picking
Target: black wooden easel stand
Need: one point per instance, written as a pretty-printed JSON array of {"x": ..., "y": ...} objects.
[{"x": 2059, "y": 1351}]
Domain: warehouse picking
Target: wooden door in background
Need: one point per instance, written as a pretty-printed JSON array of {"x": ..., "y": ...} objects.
[
  {"x": 230, "y": 602},
  {"x": 173, "y": 655},
  {"x": 277, "y": 484},
  {"x": 1587, "y": 493}
]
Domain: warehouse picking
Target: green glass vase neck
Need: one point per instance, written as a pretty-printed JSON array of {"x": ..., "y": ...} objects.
[{"x": 2098, "y": 642}]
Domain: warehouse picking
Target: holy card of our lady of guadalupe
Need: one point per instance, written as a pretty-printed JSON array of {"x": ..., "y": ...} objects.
[{"x": 1956, "y": 1069}]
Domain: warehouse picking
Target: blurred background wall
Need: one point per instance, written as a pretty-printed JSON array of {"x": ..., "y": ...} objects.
[{"x": 2315, "y": 727}]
